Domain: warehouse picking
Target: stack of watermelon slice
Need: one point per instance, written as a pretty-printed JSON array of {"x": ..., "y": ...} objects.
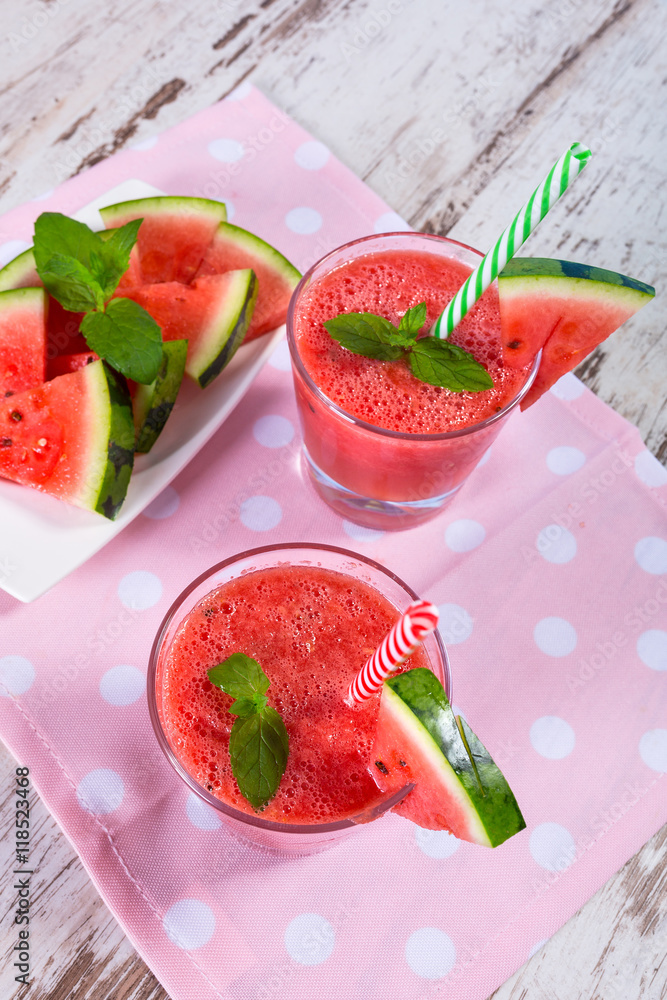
[{"x": 69, "y": 425}]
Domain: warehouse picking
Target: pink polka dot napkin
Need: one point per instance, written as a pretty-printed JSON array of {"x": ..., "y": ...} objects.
[{"x": 550, "y": 572}]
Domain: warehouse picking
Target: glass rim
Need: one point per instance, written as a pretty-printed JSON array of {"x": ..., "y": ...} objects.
[
  {"x": 372, "y": 812},
  {"x": 357, "y": 421}
]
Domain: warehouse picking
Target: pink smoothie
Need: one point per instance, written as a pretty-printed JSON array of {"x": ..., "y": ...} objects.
[
  {"x": 394, "y": 449},
  {"x": 311, "y": 629}
]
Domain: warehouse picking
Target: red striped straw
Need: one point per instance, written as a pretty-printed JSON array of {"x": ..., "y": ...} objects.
[{"x": 400, "y": 642}]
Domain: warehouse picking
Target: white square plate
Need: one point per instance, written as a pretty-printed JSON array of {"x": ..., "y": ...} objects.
[{"x": 42, "y": 539}]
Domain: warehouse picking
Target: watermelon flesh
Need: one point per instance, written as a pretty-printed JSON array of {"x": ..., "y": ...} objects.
[
  {"x": 564, "y": 309},
  {"x": 458, "y": 787},
  {"x": 173, "y": 237},
  {"x": 72, "y": 437},
  {"x": 66, "y": 363},
  {"x": 23, "y": 315},
  {"x": 233, "y": 248}
]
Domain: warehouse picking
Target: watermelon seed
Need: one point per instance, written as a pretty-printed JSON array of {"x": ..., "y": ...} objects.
[
  {"x": 514, "y": 345},
  {"x": 380, "y": 766},
  {"x": 42, "y": 442},
  {"x": 402, "y": 763},
  {"x": 5, "y": 443},
  {"x": 10, "y": 393},
  {"x": 15, "y": 415}
]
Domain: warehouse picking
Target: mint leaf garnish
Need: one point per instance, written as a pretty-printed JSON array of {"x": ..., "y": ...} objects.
[
  {"x": 69, "y": 281},
  {"x": 437, "y": 362},
  {"x": 127, "y": 337},
  {"x": 258, "y": 742},
  {"x": 81, "y": 269},
  {"x": 366, "y": 334},
  {"x": 413, "y": 320},
  {"x": 441, "y": 363}
]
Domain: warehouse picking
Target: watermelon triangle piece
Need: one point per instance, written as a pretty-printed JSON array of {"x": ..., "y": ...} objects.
[
  {"x": 173, "y": 237},
  {"x": 23, "y": 313},
  {"x": 458, "y": 787},
  {"x": 212, "y": 314},
  {"x": 563, "y": 308},
  {"x": 233, "y": 248},
  {"x": 72, "y": 437}
]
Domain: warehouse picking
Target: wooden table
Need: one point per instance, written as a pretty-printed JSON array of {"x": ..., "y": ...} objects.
[{"x": 451, "y": 111}]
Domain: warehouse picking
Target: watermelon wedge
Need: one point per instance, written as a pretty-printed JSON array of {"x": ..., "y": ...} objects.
[
  {"x": 212, "y": 314},
  {"x": 23, "y": 314},
  {"x": 458, "y": 787},
  {"x": 566, "y": 309},
  {"x": 233, "y": 248},
  {"x": 173, "y": 237},
  {"x": 152, "y": 404},
  {"x": 72, "y": 438}
]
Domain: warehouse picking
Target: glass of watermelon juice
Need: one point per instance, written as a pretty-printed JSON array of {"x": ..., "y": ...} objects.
[
  {"x": 381, "y": 447},
  {"x": 310, "y": 615}
]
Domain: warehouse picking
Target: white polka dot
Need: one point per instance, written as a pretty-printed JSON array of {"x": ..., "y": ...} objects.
[
  {"x": 312, "y": 155},
  {"x": 650, "y": 470},
  {"x": 552, "y": 737},
  {"x": 556, "y": 545},
  {"x": 201, "y": 814},
  {"x": 44, "y": 196},
  {"x": 238, "y": 93},
  {"x": 552, "y": 847},
  {"x": 454, "y": 624},
  {"x": 100, "y": 791},
  {"x": 273, "y": 431},
  {"x": 145, "y": 144},
  {"x": 653, "y": 750},
  {"x": 122, "y": 685},
  {"x": 261, "y": 513},
  {"x": 360, "y": 533},
  {"x": 564, "y": 460},
  {"x": 16, "y": 675},
  {"x": 12, "y": 249},
  {"x": 536, "y": 947},
  {"x": 436, "y": 843},
  {"x": 430, "y": 953},
  {"x": 309, "y": 939},
  {"x": 280, "y": 359},
  {"x": 230, "y": 208},
  {"x": 652, "y": 648},
  {"x": 164, "y": 505},
  {"x": 485, "y": 458},
  {"x": 189, "y": 923},
  {"x": 651, "y": 555},
  {"x": 303, "y": 220},
  {"x": 555, "y": 636},
  {"x": 140, "y": 590},
  {"x": 568, "y": 387},
  {"x": 391, "y": 222},
  {"x": 464, "y": 535},
  {"x": 226, "y": 150}
]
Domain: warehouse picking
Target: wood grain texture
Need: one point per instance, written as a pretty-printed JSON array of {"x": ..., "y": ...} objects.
[{"x": 451, "y": 112}]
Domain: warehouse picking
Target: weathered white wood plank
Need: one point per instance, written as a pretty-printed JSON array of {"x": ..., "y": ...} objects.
[{"x": 451, "y": 112}]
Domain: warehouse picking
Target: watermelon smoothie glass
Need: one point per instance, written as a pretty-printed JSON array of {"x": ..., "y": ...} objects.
[
  {"x": 310, "y": 615},
  {"x": 381, "y": 447}
]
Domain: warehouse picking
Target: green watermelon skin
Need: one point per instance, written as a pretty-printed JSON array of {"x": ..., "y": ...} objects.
[
  {"x": 458, "y": 787},
  {"x": 152, "y": 404},
  {"x": 563, "y": 308},
  {"x": 173, "y": 237},
  {"x": 72, "y": 438},
  {"x": 234, "y": 248},
  {"x": 20, "y": 272}
]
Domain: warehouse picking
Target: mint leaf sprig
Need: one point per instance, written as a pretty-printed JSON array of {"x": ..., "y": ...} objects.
[
  {"x": 258, "y": 742},
  {"x": 431, "y": 360},
  {"x": 82, "y": 269}
]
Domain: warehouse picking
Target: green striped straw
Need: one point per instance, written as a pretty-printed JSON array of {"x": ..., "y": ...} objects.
[{"x": 561, "y": 175}]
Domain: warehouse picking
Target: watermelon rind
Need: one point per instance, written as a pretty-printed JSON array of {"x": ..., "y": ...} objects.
[
  {"x": 256, "y": 246},
  {"x": 448, "y": 759},
  {"x": 112, "y": 445},
  {"x": 538, "y": 269},
  {"x": 20, "y": 272},
  {"x": 161, "y": 205},
  {"x": 152, "y": 404},
  {"x": 226, "y": 330}
]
